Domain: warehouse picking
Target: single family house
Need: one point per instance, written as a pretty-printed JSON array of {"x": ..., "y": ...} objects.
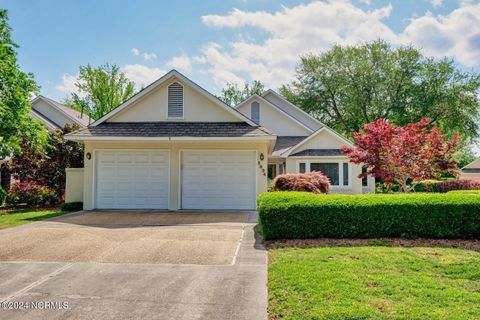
[
  {"x": 55, "y": 115},
  {"x": 176, "y": 146},
  {"x": 471, "y": 170}
]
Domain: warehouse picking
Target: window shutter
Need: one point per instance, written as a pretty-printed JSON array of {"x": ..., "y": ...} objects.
[
  {"x": 255, "y": 112},
  {"x": 175, "y": 100}
]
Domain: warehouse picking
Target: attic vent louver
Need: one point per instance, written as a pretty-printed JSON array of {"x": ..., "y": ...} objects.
[
  {"x": 255, "y": 112},
  {"x": 175, "y": 100}
]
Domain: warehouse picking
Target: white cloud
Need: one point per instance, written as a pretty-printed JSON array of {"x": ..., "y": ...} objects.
[
  {"x": 149, "y": 56},
  {"x": 316, "y": 26},
  {"x": 135, "y": 51},
  {"x": 141, "y": 74},
  {"x": 436, "y": 3},
  {"x": 68, "y": 84},
  {"x": 292, "y": 32},
  {"x": 183, "y": 63},
  {"x": 455, "y": 35}
]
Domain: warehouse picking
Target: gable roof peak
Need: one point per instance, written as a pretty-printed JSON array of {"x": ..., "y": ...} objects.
[{"x": 160, "y": 81}]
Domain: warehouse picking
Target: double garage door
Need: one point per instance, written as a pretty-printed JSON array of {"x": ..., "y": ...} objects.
[{"x": 209, "y": 179}]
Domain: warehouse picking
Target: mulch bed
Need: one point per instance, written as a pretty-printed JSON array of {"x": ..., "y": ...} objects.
[{"x": 389, "y": 242}]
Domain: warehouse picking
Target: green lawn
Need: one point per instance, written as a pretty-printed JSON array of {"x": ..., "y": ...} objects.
[
  {"x": 21, "y": 216},
  {"x": 374, "y": 283}
]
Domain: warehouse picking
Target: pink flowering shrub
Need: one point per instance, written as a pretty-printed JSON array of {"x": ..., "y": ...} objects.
[
  {"x": 31, "y": 194},
  {"x": 314, "y": 182}
]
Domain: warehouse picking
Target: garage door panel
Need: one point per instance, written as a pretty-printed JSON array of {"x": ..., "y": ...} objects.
[
  {"x": 124, "y": 158},
  {"x": 106, "y": 157},
  {"x": 218, "y": 180},
  {"x": 132, "y": 179}
]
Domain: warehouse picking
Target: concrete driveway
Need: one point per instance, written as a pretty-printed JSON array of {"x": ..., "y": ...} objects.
[{"x": 134, "y": 265}]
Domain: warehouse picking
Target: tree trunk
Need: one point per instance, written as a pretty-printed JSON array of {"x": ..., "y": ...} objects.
[
  {"x": 5, "y": 177},
  {"x": 404, "y": 185}
]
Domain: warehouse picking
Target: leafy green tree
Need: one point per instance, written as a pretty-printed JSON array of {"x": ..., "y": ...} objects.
[
  {"x": 16, "y": 90},
  {"x": 348, "y": 87},
  {"x": 101, "y": 90},
  {"x": 232, "y": 94}
]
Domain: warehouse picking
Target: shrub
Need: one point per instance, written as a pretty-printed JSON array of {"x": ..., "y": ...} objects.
[
  {"x": 48, "y": 169},
  {"x": 30, "y": 194},
  {"x": 72, "y": 206},
  {"x": 426, "y": 186},
  {"x": 310, "y": 182},
  {"x": 3, "y": 196},
  {"x": 305, "y": 215},
  {"x": 462, "y": 184}
]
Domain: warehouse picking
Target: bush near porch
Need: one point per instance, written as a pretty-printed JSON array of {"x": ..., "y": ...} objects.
[{"x": 291, "y": 215}]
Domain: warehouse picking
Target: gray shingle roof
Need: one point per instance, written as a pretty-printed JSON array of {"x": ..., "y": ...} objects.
[
  {"x": 173, "y": 129},
  {"x": 471, "y": 170},
  {"x": 318, "y": 153},
  {"x": 284, "y": 143}
]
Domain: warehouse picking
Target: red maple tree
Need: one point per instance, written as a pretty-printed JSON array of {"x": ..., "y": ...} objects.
[{"x": 399, "y": 154}]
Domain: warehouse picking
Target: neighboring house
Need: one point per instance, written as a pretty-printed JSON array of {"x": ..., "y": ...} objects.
[
  {"x": 55, "y": 115},
  {"x": 176, "y": 146},
  {"x": 304, "y": 144},
  {"x": 471, "y": 170}
]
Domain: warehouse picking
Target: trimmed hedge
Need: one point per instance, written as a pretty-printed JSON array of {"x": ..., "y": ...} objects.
[
  {"x": 300, "y": 215},
  {"x": 464, "y": 192},
  {"x": 72, "y": 206}
]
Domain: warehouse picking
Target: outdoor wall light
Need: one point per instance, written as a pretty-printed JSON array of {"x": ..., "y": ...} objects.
[
  {"x": 89, "y": 155},
  {"x": 262, "y": 157}
]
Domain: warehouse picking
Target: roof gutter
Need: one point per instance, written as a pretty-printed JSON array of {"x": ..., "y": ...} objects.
[{"x": 117, "y": 138}]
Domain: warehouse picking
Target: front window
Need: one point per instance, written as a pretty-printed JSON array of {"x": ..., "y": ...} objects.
[
  {"x": 331, "y": 170},
  {"x": 337, "y": 172},
  {"x": 302, "y": 168},
  {"x": 364, "y": 180},
  {"x": 345, "y": 174}
]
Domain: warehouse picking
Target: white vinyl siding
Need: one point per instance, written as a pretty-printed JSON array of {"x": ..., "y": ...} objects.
[
  {"x": 218, "y": 179},
  {"x": 175, "y": 100},
  {"x": 132, "y": 179}
]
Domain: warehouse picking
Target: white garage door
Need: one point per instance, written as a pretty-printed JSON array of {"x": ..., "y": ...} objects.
[
  {"x": 132, "y": 179},
  {"x": 218, "y": 180}
]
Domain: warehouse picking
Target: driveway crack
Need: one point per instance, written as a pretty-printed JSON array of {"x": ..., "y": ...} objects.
[{"x": 36, "y": 283}]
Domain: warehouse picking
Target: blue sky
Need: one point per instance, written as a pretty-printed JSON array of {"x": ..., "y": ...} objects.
[{"x": 214, "y": 42}]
